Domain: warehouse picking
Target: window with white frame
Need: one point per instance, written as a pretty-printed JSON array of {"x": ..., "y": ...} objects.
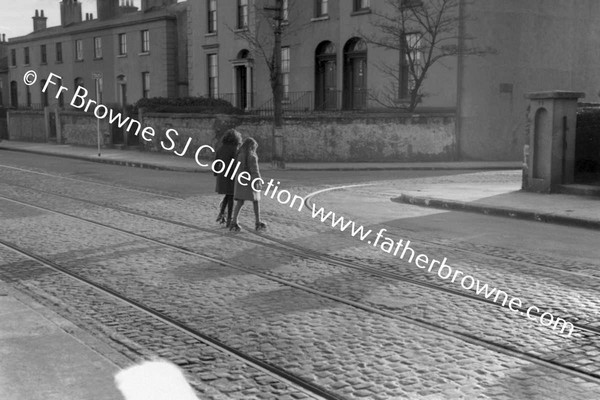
[
  {"x": 412, "y": 55},
  {"x": 360, "y": 5},
  {"x": 285, "y": 72},
  {"x": 79, "y": 49},
  {"x": 122, "y": 44},
  {"x": 26, "y": 55},
  {"x": 213, "y": 75},
  {"x": 242, "y": 16},
  {"x": 97, "y": 47},
  {"x": 145, "y": 41},
  {"x": 145, "y": 85},
  {"x": 321, "y": 8},
  {"x": 212, "y": 16},
  {"x": 286, "y": 10}
]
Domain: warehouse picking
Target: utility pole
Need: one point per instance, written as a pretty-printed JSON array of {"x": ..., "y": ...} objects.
[{"x": 278, "y": 142}]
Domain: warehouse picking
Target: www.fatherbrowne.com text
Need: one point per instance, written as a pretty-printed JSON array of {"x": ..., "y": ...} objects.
[{"x": 403, "y": 250}]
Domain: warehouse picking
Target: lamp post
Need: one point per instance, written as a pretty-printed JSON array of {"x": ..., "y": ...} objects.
[{"x": 278, "y": 142}]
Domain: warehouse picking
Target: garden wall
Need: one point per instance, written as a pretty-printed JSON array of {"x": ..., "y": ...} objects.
[
  {"x": 321, "y": 138},
  {"x": 381, "y": 138}
]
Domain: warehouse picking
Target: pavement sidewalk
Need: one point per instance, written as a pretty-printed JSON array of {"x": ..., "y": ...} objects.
[
  {"x": 39, "y": 360},
  {"x": 498, "y": 193},
  {"x": 486, "y": 192},
  {"x": 136, "y": 158}
]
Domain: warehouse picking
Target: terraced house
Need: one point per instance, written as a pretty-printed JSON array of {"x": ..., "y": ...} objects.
[
  {"x": 354, "y": 56},
  {"x": 331, "y": 60},
  {"x": 138, "y": 53}
]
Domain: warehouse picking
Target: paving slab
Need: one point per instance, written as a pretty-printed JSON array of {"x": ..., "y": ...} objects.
[
  {"x": 171, "y": 162},
  {"x": 39, "y": 360},
  {"x": 487, "y": 193}
]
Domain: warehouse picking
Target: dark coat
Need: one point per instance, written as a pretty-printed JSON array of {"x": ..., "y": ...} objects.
[
  {"x": 226, "y": 152},
  {"x": 248, "y": 164}
]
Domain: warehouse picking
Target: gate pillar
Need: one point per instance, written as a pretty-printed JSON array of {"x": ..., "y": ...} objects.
[{"x": 552, "y": 122}]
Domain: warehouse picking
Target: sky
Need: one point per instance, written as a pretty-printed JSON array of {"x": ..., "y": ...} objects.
[{"x": 15, "y": 20}]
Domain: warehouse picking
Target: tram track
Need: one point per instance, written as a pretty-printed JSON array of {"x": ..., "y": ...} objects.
[
  {"x": 306, "y": 253},
  {"x": 301, "y": 384},
  {"x": 473, "y": 339}
]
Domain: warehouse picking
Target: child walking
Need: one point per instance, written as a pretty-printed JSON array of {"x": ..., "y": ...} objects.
[
  {"x": 248, "y": 162},
  {"x": 226, "y": 152}
]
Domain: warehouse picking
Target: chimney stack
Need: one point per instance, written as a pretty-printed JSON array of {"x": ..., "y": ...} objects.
[
  {"x": 107, "y": 9},
  {"x": 127, "y": 7},
  {"x": 39, "y": 21},
  {"x": 70, "y": 12},
  {"x": 148, "y": 5}
]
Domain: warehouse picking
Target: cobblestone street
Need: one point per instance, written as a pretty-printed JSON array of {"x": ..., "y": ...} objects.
[{"x": 303, "y": 310}]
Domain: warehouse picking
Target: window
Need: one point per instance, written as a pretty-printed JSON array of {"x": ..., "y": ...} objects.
[
  {"x": 242, "y": 21},
  {"x": 360, "y": 5},
  {"x": 321, "y": 8},
  {"x": 59, "y": 57},
  {"x": 213, "y": 75},
  {"x": 286, "y": 10},
  {"x": 145, "y": 41},
  {"x": 212, "y": 16},
  {"x": 122, "y": 44},
  {"x": 145, "y": 84},
  {"x": 26, "y": 55},
  {"x": 13, "y": 57},
  {"x": 97, "y": 47},
  {"x": 43, "y": 54},
  {"x": 411, "y": 55},
  {"x": 285, "y": 71},
  {"x": 79, "y": 50}
]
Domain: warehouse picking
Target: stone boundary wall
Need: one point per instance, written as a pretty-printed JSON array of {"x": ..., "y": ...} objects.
[
  {"x": 78, "y": 128},
  {"x": 314, "y": 138},
  {"x": 381, "y": 138}
]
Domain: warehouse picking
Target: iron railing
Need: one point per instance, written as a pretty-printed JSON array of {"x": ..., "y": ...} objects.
[
  {"x": 309, "y": 102},
  {"x": 242, "y": 100}
]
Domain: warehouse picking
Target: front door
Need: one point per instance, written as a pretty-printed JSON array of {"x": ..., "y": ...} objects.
[
  {"x": 326, "y": 84},
  {"x": 14, "y": 95},
  {"x": 241, "y": 76},
  {"x": 359, "y": 83}
]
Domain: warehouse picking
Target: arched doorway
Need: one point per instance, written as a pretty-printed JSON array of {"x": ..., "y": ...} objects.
[
  {"x": 14, "y": 95},
  {"x": 325, "y": 76},
  {"x": 242, "y": 70},
  {"x": 355, "y": 74},
  {"x": 78, "y": 82}
]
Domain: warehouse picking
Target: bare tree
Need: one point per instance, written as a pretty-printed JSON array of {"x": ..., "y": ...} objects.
[
  {"x": 423, "y": 32},
  {"x": 268, "y": 26}
]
